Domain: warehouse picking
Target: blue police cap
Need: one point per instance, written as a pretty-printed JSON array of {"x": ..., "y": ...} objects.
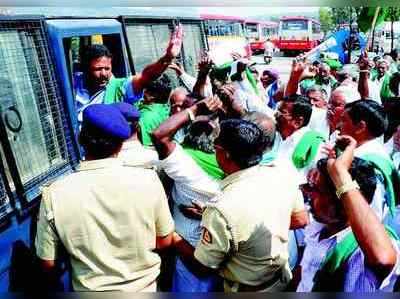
[
  {"x": 107, "y": 119},
  {"x": 129, "y": 111}
]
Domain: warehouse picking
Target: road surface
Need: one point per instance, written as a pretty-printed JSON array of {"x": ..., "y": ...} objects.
[{"x": 282, "y": 64}]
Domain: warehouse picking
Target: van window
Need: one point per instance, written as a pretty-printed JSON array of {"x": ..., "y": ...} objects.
[
  {"x": 147, "y": 42},
  {"x": 31, "y": 114}
]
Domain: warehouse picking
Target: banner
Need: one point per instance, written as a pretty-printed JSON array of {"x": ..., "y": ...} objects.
[{"x": 338, "y": 43}]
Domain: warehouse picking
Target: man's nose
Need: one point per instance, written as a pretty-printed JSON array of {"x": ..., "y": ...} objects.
[{"x": 104, "y": 72}]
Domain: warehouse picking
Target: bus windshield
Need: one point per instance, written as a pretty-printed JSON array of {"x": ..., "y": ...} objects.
[
  {"x": 251, "y": 30},
  {"x": 294, "y": 25}
]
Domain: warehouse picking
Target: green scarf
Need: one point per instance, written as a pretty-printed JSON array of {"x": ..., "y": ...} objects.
[
  {"x": 226, "y": 68},
  {"x": 208, "y": 162},
  {"x": 335, "y": 258},
  {"x": 391, "y": 177},
  {"x": 385, "y": 91},
  {"x": 114, "y": 90},
  {"x": 307, "y": 148},
  {"x": 151, "y": 116}
]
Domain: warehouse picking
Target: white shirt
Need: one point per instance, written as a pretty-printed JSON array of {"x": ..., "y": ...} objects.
[
  {"x": 248, "y": 99},
  {"x": 374, "y": 88},
  {"x": 375, "y": 146},
  {"x": 190, "y": 183},
  {"x": 319, "y": 121},
  {"x": 287, "y": 146}
]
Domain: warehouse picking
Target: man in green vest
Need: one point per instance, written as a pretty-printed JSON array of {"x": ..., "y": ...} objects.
[
  {"x": 97, "y": 84},
  {"x": 352, "y": 251}
]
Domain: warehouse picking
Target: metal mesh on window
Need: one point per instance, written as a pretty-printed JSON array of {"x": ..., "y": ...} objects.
[
  {"x": 193, "y": 46},
  {"x": 147, "y": 42},
  {"x": 30, "y": 104}
]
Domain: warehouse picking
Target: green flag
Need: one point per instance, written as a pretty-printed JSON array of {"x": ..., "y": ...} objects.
[{"x": 367, "y": 15}]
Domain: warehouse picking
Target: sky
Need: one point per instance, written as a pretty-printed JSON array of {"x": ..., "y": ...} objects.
[{"x": 173, "y": 11}]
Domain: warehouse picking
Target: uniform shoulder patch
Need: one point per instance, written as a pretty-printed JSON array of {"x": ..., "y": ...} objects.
[{"x": 206, "y": 237}]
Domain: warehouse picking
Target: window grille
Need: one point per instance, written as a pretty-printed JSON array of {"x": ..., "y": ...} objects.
[
  {"x": 147, "y": 41},
  {"x": 193, "y": 46},
  {"x": 33, "y": 117}
]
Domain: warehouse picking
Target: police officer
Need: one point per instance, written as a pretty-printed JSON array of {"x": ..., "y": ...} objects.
[
  {"x": 245, "y": 234},
  {"x": 109, "y": 217}
]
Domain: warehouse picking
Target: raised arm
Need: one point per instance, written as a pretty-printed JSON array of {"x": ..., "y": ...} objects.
[
  {"x": 368, "y": 230},
  {"x": 162, "y": 137},
  {"x": 153, "y": 71},
  {"x": 201, "y": 86},
  {"x": 363, "y": 64}
]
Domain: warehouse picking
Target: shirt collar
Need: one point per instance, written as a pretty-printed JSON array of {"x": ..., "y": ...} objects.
[
  {"x": 296, "y": 136},
  {"x": 371, "y": 146},
  {"x": 315, "y": 228},
  {"x": 239, "y": 176},
  {"x": 99, "y": 164},
  {"x": 131, "y": 144}
]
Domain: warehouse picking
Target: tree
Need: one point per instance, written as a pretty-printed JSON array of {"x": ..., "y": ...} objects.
[
  {"x": 393, "y": 15},
  {"x": 326, "y": 20}
]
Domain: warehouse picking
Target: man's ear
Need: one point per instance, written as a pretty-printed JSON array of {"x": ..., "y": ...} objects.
[
  {"x": 361, "y": 126},
  {"x": 298, "y": 122}
]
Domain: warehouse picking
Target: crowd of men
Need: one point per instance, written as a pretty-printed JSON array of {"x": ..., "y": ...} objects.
[{"x": 234, "y": 181}]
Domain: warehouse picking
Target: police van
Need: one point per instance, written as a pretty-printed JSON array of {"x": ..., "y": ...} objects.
[{"x": 39, "y": 56}]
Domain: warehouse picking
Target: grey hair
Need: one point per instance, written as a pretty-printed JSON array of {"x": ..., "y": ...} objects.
[
  {"x": 258, "y": 118},
  {"x": 175, "y": 91},
  {"x": 318, "y": 88},
  {"x": 350, "y": 70}
]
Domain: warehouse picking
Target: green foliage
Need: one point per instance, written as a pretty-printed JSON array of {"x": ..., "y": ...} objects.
[
  {"x": 366, "y": 17},
  {"x": 393, "y": 14},
  {"x": 326, "y": 19}
]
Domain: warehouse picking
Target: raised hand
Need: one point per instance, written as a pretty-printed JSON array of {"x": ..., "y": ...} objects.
[
  {"x": 338, "y": 168},
  {"x": 205, "y": 64},
  {"x": 209, "y": 105},
  {"x": 177, "y": 67},
  {"x": 236, "y": 56},
  {"x": 363, "y": 62},
  {"x": 175, "y": 43}
]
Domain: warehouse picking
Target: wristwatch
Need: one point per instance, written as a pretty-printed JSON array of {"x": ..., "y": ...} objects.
[
  {"x": 191, "y": 114},
  {"x": 346, "y": 187}
]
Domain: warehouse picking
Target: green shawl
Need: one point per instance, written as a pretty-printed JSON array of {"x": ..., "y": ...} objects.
[
  {"x": 391, "y": 178},
  {"x": 335, "y": 258},
  {"x": 208, "y": 162},
  {"x": 151, "y": 116},
  {"x": 307, "y": 148},
  {"x": 115, "y": 90}
]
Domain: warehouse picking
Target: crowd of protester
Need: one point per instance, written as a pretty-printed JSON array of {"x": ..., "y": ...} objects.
[{"x": 235, "y": 181}]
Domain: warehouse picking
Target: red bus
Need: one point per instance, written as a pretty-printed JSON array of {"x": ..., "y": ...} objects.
[
  {"x": 298, "y": 34},
  {"x": 225, "y": 34},
  {"x": 258, "y": 32}
]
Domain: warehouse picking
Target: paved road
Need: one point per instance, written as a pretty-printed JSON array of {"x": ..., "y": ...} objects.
[{"x": 282, "y": 64}]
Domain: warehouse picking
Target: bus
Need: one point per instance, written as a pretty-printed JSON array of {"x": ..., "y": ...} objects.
[
  {"x": 225, "y": 34},
  {"x": 383, "y": 37},
  {"x": 39, "y": 56},
  {"x": 258, "y": 32},
  {"x": 298, "y": 34}
]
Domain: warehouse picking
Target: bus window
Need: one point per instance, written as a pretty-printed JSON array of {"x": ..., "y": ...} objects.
[
  {"x": 74, "y": 48},
  {"x": 294, "y": 25},
  {"x": 36, "y": 145},
  {"x": 316, "y": 28}
]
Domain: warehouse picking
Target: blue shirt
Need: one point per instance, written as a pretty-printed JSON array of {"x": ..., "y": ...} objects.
[
  {"x": 84, "y": 99},
  {"x": 358, "y": 278}
]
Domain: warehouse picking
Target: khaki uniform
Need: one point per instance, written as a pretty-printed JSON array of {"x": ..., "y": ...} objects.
[
  {"x": 107, "y": 216},
  {"x": 135, "y": 154},
  {"x": 245, "y": 235}
]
